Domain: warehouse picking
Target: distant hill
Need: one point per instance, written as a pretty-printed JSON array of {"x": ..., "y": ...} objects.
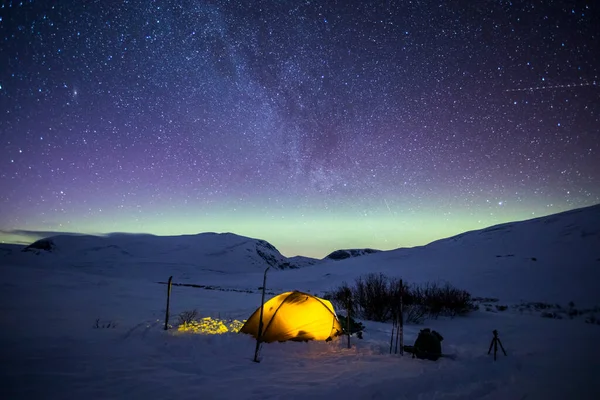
[
  {"x": 555, "y": 258},
  {"x": 348, "y": 253},
  {"x": 302, "y": 261},
  {"x": 224, "y": 252}
]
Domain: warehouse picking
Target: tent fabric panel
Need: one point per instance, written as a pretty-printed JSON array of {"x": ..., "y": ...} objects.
[
  {"x": 294, "y": 316},
  {"x": 269, "y": 309},
  {"x": 304, "y": 318},
  {"x": 327, "y": 304},
  {"x": 301, "y": 317}
]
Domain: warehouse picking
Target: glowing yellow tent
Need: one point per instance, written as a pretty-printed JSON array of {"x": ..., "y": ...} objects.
[{"x": 294, "y": 316}]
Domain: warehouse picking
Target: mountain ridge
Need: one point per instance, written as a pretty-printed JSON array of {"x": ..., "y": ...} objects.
[{"x": 520, "y": 250}]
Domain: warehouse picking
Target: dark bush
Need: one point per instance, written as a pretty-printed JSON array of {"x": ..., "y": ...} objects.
[
  {"x": 441, "y": 300},
  {"x": 108, "y": 324},
  {"x": 414, "y": 313},
  {"x": 342, "y": 298},
  {"x": 373, "y": 297},
  {"x": 376, "y": 297},
  {"x": 455, "y": 301},
  {"x": 538, "y": 306},
  {"x": 547, "y": 314},
  {"x": 572, "y": 312},
  {"x": 486, "y": 299}
]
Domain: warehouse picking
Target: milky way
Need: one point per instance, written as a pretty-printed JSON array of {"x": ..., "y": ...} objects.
[{"x": 313, "y": 125}]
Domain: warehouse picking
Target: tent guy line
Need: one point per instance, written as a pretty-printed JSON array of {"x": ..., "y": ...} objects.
[{"x": 212, "y": 287}]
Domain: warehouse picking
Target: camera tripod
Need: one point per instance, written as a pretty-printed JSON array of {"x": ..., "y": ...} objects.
[{"x": 495, "y": 342}]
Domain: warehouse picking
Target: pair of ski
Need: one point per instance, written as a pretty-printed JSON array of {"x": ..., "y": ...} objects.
[{"x": 398, "y": 326}]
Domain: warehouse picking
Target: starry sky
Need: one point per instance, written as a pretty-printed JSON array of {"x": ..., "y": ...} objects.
[{"x": 315, "y": 125}]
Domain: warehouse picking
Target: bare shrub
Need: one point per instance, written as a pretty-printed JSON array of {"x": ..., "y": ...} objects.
[
  {"x": 414, "y": 313},
  {"x": 442, "y": 300},
  {"x": 372, "y": 297},
  {"x": 104, "y": 325},
  {"x": 188, "y": 316},
  {"x": 376, "y": 297},
  {"x": 342, "y": 298},
  {"x": 552, "y": 314},
  {"x": 455, "y": 301}
]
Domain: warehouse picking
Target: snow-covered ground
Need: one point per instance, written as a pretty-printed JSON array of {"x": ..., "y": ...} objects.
[{"x": 57, "y": 343}]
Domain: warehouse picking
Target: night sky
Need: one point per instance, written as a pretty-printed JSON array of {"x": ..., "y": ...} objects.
[{"x": 315, "y": 125}]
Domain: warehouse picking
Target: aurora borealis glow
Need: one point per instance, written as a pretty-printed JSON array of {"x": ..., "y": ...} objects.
[{"x": 314, "y": 125}]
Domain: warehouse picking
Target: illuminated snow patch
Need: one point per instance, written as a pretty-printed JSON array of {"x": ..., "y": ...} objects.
[{"x": 211, "y": 326}]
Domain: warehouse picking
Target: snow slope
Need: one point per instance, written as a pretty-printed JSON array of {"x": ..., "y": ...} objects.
[
  {"x": 222, "y": 253},
  {"x": 56, "y": 310},
  {"x": 550, "y": 259}
]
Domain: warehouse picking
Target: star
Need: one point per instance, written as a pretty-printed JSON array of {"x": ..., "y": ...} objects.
[{"x": 315, "y": 127}]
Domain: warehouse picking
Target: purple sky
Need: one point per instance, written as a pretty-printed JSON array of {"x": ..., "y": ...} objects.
[{"x": 313, "y": 125}]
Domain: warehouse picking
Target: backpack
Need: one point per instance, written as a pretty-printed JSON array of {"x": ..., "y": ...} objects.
[{"x": 428, "y": 345}]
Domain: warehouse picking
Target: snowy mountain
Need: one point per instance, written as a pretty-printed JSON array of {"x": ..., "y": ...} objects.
[
  {"x": 86, "y": 318},
  {"x": 302, "y": 261},
  {"x": 348, "y": 253},
  {"x": 136, "y": 245},
  {"x": 224, "y": 252},
  {"x": 554, "y": 258}
]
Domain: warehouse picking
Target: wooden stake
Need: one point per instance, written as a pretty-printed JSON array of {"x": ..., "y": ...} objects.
[
  {"x": 348, "y": 322},
  {"x": 168, "y": 301},
  {"x": 397, "y": 336},
  {"x": 260, "y": 321},
  {"x": 401, "y": 328},
  {"x": 392, "y": 337}
]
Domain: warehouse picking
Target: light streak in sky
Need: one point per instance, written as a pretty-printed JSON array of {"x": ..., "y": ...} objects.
[{"x": 568, "y": 86}]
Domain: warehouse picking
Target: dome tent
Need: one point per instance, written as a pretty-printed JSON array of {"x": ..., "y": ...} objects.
[{"x": 294, "y": 316}]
